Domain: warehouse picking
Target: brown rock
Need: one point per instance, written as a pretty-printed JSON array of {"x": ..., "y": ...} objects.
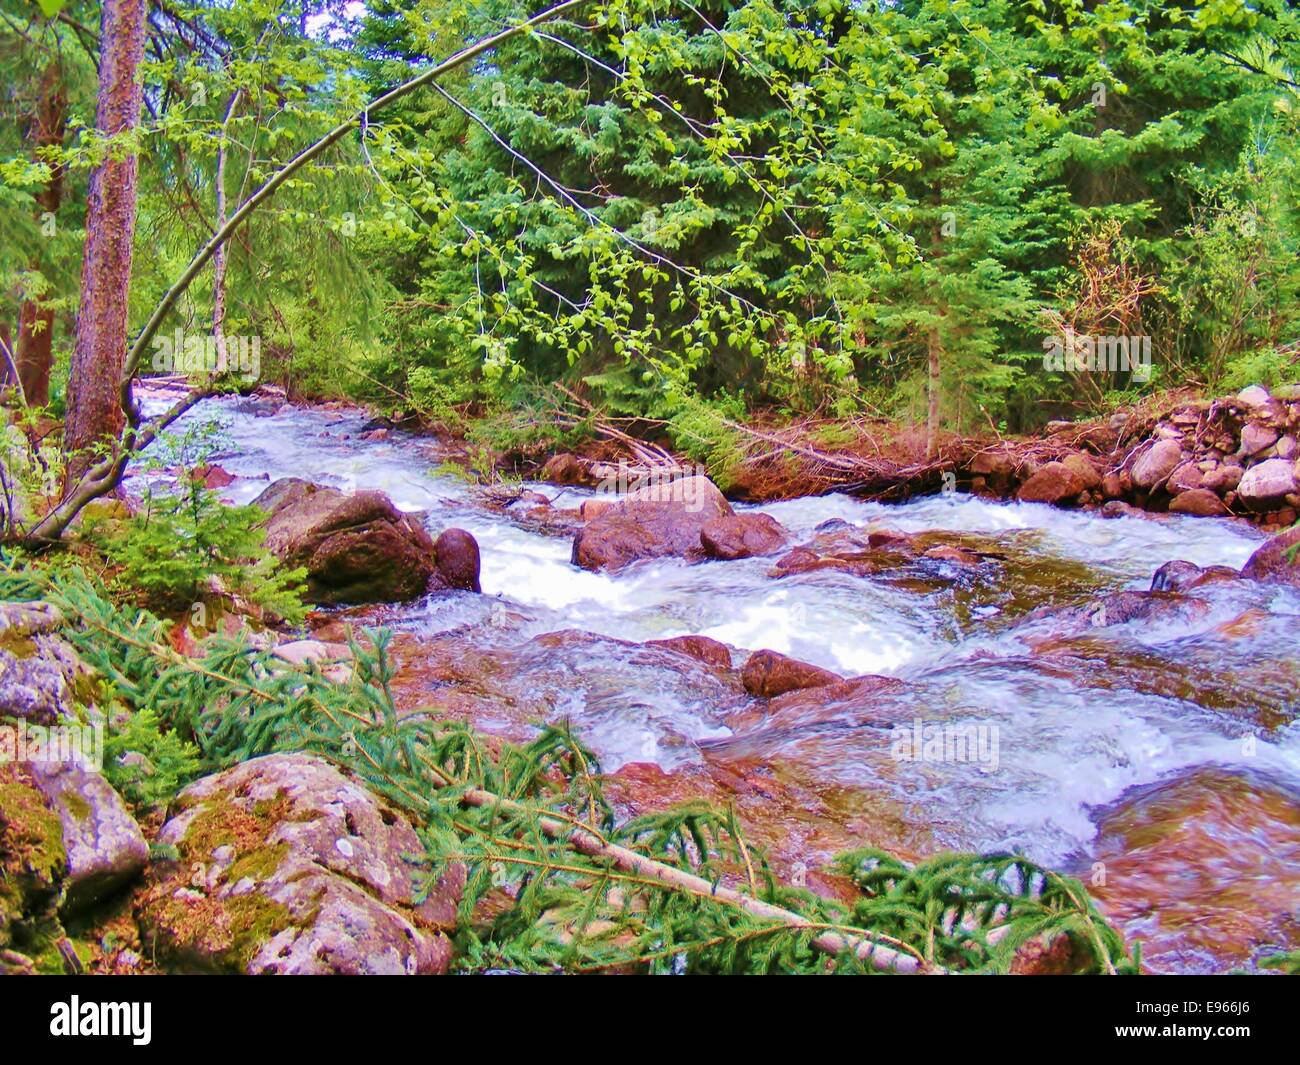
[
  {"x": 696, "y": 493},
  {"x": 1275, "y": 562},
  {"x": 1183, "y": 576},
  {"x": 743, "y": 536},
  {"x": 356, "y": 548},
  {"x": 1222, "y": 478},
  {"x": 212, "y": 476},
  {"x": 709, "y": 651},
  {"x": 621, "y": 535},
  {"x": 1054, "y": 482},
  {"x": 1187, "y": 477},
  {"x": 1084, "y": 467},
  {"x": 565, "y": 468},
  {"x": 769, "y": 673},
  {"x": 1199, "y": 501},
  {"x": 457, "y": 558}
]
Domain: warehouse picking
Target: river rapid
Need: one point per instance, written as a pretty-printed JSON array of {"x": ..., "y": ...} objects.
[{"x": 1156, "y": 759}]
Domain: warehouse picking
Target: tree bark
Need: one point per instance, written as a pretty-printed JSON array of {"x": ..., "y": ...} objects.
[
  {"x": 95, "y": 412},
  {"x": 934, "y": 381},
  {"x": 35, "y": 322}
]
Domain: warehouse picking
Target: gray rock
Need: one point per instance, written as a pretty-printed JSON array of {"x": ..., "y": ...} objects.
[
  {"x": 104, "y": 845},
  {"x": 35, "y": 664},
  {"x": 1253, "y": 396},
  {"x": 1256, "y": 438},
  {"x": 1157, "y": 463},
  {"x": 288, "y": 866},
  {"x": 1265, "y": 485}
]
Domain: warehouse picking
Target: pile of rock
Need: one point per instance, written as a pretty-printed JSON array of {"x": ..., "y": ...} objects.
[{"x": 1239, "y": 455}]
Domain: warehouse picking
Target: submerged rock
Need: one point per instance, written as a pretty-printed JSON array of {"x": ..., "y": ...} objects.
[
  {"x": 743, "y": 536},
  {"x": 702, "y": 648},
  {"x": 769, "y": 673},
  {"x": 287, "y": 866},
  {"x": 1180, "y": 576},
  {"x": 1203, "y": 867}
]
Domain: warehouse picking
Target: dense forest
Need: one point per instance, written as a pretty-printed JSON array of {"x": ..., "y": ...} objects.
[{"x": 386, "y": 388}]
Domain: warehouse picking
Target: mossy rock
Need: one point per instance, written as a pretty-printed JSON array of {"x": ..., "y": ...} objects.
[
  {"x": 33, "y": 862},
  {"x": 284, "y": 865}
]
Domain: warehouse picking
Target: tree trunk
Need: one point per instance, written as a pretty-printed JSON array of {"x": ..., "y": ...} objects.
[
  {"x": 94, "y": 404},
  {"x": 36, "y": 323},
  {"x": 933, "y": 383}
]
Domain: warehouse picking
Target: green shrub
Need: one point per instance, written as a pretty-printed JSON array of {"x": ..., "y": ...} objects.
[{"x": 145, "y": 762}]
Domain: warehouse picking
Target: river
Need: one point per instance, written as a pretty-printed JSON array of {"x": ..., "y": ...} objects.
[{"x": 1156, "y": 759}]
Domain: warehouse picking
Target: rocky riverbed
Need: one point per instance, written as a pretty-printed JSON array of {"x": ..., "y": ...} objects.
[{"x": 1109, "y": 691}]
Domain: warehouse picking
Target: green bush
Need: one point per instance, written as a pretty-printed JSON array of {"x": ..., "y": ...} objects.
[{"x": 183, "y": 547}]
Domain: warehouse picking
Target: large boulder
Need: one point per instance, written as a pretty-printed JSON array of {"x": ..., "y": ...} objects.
[
  {"x": 356, "y": 547},
  {"x": 105, "y": 847},
  {"x": 1157, "y": 463},
  {"x": 663, "y": 520},
  {"x": 1278, "y": 561},
  {"x": 769, "y": 673},
  {"x": 1267, "y": 484},
  {"x": 284, "y": 865},
  {"x": 743, "y": 536},
  {"x": 696, "y": 493},
  {"x": 622, "y": 535}
]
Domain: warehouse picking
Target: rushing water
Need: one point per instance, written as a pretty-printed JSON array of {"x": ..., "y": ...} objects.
[{"x": 1079, "y": 726}]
